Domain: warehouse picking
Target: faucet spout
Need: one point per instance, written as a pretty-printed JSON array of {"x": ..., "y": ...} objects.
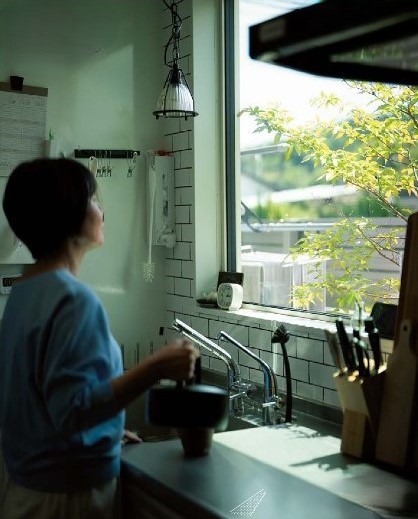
[
  {"x": 234, "y": 372},
  {"x": 270, "y": 380}
]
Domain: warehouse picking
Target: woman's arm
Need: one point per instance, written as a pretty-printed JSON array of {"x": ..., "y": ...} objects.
[{"x": 176, "y": 361}]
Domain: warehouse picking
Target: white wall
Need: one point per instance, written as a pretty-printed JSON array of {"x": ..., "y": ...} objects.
[
  {"x": 193, "y": 266},
  {"x": 101, "y": 62}
]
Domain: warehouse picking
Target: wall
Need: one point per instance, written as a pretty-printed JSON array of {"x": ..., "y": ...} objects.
[
  {"x": 193, "y": 266},
  {"x": 101, "y": 62}
]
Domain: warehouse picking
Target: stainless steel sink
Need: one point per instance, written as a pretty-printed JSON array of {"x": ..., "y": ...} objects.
[{"x": 136, "y": 421}]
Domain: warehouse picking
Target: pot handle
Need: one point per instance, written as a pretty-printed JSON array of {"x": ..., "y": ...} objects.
[{"x": 197, "y": 377}]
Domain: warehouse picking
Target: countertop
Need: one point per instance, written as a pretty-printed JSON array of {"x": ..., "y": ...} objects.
[{"x": 285, "y": 471}]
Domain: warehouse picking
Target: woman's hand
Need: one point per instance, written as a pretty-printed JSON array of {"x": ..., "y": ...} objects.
[{"x": 176, "y": 360}]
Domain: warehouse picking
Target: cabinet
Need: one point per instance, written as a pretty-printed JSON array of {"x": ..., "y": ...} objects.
[
  {"x": 2, "y": 470},
  {"x": 139, "y": 503}
]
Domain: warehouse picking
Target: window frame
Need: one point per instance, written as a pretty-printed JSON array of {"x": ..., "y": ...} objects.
[
  {"x": 230, "y": 10},
  {"x": 233, "y": 241}
]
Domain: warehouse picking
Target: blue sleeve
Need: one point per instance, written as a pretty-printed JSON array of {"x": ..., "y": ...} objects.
[{"x": 80, "y": 361}]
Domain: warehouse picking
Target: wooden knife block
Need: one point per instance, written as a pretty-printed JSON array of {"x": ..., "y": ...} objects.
[
  {"x": 360, "y": 400},
  {"x": 397, "y": 442},
  {"x": 381, "y": 414},
  {"x": 397, "y": 435}
]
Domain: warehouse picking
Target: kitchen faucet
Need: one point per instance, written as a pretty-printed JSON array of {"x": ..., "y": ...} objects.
[
  {"x": 271, "y": 397},
  {"x": 236, "y": 389}
]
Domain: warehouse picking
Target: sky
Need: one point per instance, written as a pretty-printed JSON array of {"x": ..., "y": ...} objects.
[{"x": 264, "y": 84}]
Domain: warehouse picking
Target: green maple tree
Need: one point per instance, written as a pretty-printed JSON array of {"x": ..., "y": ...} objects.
[{"x": 377, "y": 153}]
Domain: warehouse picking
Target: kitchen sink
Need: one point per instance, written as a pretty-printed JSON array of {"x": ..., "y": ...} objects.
[{"x": 136, "y": 421}]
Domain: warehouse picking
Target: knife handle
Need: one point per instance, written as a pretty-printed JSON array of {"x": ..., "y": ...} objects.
[
  {"x": 346, "y": 346},
  {"x": 363, "y": 360},
  {"x": 335, "y": 351},
  {"x": 374, "y": 340}
]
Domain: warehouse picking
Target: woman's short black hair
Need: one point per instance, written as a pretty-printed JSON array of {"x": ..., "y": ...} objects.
[{"x": 45, "y": 202}]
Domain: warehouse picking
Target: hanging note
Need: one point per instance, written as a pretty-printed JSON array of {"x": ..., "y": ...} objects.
[{"x": 22, "y": 126}]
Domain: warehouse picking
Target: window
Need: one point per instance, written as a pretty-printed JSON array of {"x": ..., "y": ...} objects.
[{"x": 326, "y": 179}]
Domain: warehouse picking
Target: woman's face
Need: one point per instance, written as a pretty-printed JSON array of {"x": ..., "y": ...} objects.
[{"x": 92, "y": 230}]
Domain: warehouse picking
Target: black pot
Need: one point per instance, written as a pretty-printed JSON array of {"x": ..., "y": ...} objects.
[{"x": 194, "y": 405}]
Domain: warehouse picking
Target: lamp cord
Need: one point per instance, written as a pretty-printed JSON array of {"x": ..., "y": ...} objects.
[{"x": 175, "y": 33}]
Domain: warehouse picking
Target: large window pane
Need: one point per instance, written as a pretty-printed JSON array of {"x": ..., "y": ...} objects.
[{"x": 327, "y": 180}]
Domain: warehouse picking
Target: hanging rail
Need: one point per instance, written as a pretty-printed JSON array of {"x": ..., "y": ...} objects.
[{"x": 105, "y": 154}]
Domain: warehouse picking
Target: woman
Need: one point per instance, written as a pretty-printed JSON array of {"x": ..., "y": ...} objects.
[{"x": 62, "y": 389}]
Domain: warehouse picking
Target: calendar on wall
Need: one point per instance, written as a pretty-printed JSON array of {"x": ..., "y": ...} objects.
[
  {"x": 22, "y": 125},
  {"x": 22, "y": 138}
]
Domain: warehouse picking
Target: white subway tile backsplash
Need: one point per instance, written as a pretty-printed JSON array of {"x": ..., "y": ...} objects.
[
  {"x": 187, "y": 232},
  {"x": 182, "y": 286},
  {"x": 327, "y": 355},
  {"x": 169, "y": 284},
  {"x": 317, "y": 333},
  {"x": 205, "y": 361},
  {"x": 169, "y": 253},
  {"x": 239, "y": 333},
  {"x": 273, "y": 360},
  {"x": 256, "y": 376},
  {"x": 186, "y": 42},
  {"x": 232, "y": 350},
  {"x": 184, "y": 196},
  {"x": 321, "y": 375},
  {"x": 177, "y": 303},
  {"x": 281, "y": 385},
  {"x": 171, "y": 127},
  {"x": 309, "y": 391},
  {"x": 182, "y": 250},
  {"x": 290, "y": 346},
  {"x": 309, "y": 350},
  {"x": 246, "y": 360},
  {"x": 183, "y": 177},
  {"x": 182, "y": 214},
  {"x": 187, "y": 269},
  {"x": 187, "y": 124},
  {"x": 310, "y": 361},
  {"x": 200, "y": 325},
  {"x": 218, "y": 365},
  {"x": 173, "y": 267},
  {"x": 186, "y": 159},
  {"x": 260, "y": 339},
  {"x": 331, "y": 397},
  {"x": 299, "y": 369},
  {"x": 181, "y": 141}
]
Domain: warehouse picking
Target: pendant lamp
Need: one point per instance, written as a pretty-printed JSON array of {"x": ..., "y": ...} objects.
[{"x": 175, "y": 99}]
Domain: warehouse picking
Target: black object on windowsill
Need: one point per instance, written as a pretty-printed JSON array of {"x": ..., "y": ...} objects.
[
  {"x": 282, "y": 336},
  {"x": 384, "y": 317}
]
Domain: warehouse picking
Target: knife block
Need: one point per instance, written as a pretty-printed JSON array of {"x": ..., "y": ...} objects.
[
  {"x": 397, "y": 442},
  {"x": 360, "y": 400}
]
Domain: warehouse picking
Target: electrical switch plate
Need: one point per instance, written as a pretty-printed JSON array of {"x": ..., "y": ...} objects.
[{"x": 6, "y": 282}]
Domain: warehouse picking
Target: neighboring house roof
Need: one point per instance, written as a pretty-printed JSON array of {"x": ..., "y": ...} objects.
[{"x": 317, "y": 192}]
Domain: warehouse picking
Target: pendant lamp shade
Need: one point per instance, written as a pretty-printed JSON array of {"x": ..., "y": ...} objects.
[{"x": 175, "y": 99}]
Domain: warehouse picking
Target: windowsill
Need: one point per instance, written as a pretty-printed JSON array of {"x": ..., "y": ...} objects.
[
  {"x": 264, "y": 319},
  {"x": 305, "y": 325}
]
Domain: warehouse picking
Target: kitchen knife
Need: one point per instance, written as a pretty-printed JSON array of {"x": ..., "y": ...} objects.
[
  {"x": 374, "y": 340},
  {"x": 346, "y": 346},
  {"x": 335, "y": 351},
  {"x": 362, "y": 357}
]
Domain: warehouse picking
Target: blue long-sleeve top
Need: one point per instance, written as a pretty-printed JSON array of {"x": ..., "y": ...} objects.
[{"x": 60, "y": 428}]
